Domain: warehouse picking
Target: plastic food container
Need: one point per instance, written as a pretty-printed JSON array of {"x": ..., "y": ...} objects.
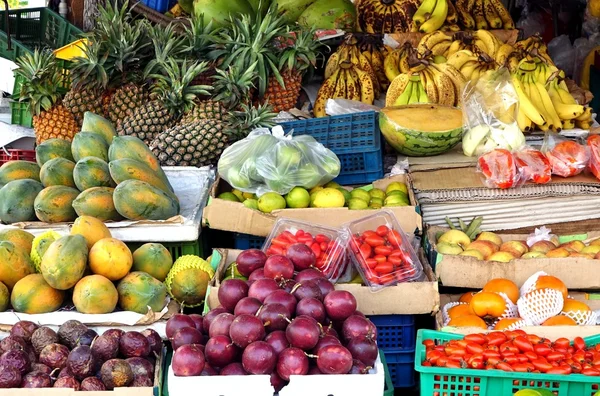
[
  {"x": 328, "y": 244},
  {"x": 382, "y": 252}
]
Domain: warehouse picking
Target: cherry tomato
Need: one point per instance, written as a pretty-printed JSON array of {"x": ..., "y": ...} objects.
[
  {"x": 365, "y": 250},
  {"x": 476, "y": 338},
  {"x": 560, "y": 370},
  {"x": 316, "y": 248},
  {"x": 380, "y": 259},
  {"x": 496, "y": 338},
  {"x": 474, "y": 348},
  {"x": 304, "y": 239},
  {"x": 541, "y": 365},
  {"x": 530, "y": 356},
  {"x": 278, "y": 241},
  {"x": 371, "y": 263},
  {"x": 273, "y": 250},
  {"x": 523, "y": 344},
  {"x": 321, "y": 238},
  {"x": 578, "y": 343},
  {"x": 429, "y": 344},
  {"x": 384, "y": 267},
  {"x": 542, "y": 349},
  {"x": 394, "y": 238},
  {"x": 383, "y": 250},
  {"x": 476, "y": 361},
  {"x": 555, "y": 356},
  {"x": 368, "y": 234},
  {"x": 591, "y": 371},
  {"x": 382, "y": 230},
  {"x": 375, "y": 240},
  {"x": 504, "y": 366},
  {"x": 523, "y": 367},
  {"x": 561, "y": 343},
  {"x": 397, "y": 261}
]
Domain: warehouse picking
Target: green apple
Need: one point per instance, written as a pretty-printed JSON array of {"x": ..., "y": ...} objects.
[
  {"x": 288, "y": 158},
  {"x": 308, "y": 176}
]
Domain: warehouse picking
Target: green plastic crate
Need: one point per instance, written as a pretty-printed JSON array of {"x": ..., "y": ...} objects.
[
  {"x": 389, "y": 385},
  {"x": 20, "y": 114},
  {"x": 470, "y": 382}
]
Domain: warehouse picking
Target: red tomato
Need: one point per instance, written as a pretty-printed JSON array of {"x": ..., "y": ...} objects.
[
  {"x": 375, "y": 240},
  {"x": 591, "y": 371},
  {"x": 476, "y": 338},
  {"x": 504, "y": 366},
  {"x": 498, "y": 167},
  {"x": 542, "y": 365},
  {"x": 365, "y": 250},
  {"x": 322, "y": 238},
  {"x": 568, "y": 158},
  {"x": 560, "y": 370},
  {"x": 562, "y": 343},
  {"x": 523, "y": 367},
  {"x": 487, "y": 355},
  {"x": 578, "y": 343},
  {"x": 384, "y": 268},
  {"x": 476, "y": 361},
  {"x": 496, "y": 338},
  {"x": 523, "y": 344},
  {"x": 474, "y": 348},
  {"x": 316, "y": 249},
  {"x": 534, "y": 166},
  {"x": 542, "y": 349},
  {"x": 429, "y": 344},
  {"x": 555, "y": 356},
  {"x": 383, "y": 250},
  {"x": 382, "y": 230},
  {"x": 530, "y": 356},
  {"x": 453, "y": 364},
  {"x": 394, "y": 238},
  {"x": 371, "y": 263},
  {"x": 397, "y": 261}
]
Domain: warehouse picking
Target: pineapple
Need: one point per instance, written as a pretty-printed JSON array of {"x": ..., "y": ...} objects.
[
  {"x": 40, "y": 89},
  {"x": 174, "y": 96},
  {"x": 294, "y": 61},
  {"x": 200, "y": 143},
  {"x": 199, "y": 38}
]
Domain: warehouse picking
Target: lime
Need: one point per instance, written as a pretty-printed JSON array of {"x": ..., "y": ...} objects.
[
  {"x": 361, "y": 194},
  {"x": 332, "y": 184},
  {"x": 288, "y": 158},
  {"x": 228, "y": 196},
  {"x": 249, "y": 196},
  {"x": 315, "y": 189},
  {"x": 357, "y": 204},
  {"x": 347, "y": 195},
  {"x": 396, "y": 186},
  {"x": 308, "y": 176},
  {"x": 376, "y": 201},
  {"x": 298, "y": 197},
  {"x": 270, "y": 201},
  {"x": 377, "y": 193},
  {"x": 395, "y": 200},
  {"x": 239, "y": 195},
  {"x": 237, "y": 179},
  {"x": 329, "y": 198},
  {"x": 251, "y": 203},
  {"x": 375, "y": 205}
]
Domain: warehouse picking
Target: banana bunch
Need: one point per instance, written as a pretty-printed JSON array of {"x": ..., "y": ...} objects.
[
  {"x": 545, "y": 102},
  {"x": 411, "y": 88},
  {"x": 348, "y": 75},
  {"x": 431, "y": 15},
  {"x": 436, "y": 43},
  {"x": 396, "y": 61},
  {"x": 372, "y": 50},
  {"x": 483, "y": 14},
  {"x": 471, "y": 65},
  {"x": 534, "y": 45}
]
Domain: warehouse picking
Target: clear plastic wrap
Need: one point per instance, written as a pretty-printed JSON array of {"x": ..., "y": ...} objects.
[
  {"x": 335, "y": 107},
  {"x": 593, "y": 143},
  {"x": 541, "y": 234},
  {"x": 327, "y": 244},
  {"x": 533, "y": 166},
  {"x": 568, "y": 158},
  {"x": 489, "y": 110},
  {"x": 272, "y": 161},
  {"x": 381, "y": 251},
  {"x": 499, "y": 169},
  {"x": 562, "y": 53}
]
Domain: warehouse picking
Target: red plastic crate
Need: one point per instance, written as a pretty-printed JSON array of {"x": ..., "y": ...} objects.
[{"x": 16, "y": 154}]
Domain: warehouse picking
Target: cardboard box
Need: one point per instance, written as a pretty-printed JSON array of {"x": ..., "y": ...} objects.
[
  {"x": 462, "y": 271},
  {"x": 402, "y": 299},
  {"x": 235, "y": 217},
  {"x": 299, "y": 385},
  {"x": 550, "y": 332}
]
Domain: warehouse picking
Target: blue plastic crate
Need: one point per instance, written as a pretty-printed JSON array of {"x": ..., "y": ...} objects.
[
  {"x": 395, "y": 333},
  {"x": 401, "y": 366},
  {"x": 246, "y": 241},
  {"x": 161, "y": 6},
  {"x": 354, "y": 138}
]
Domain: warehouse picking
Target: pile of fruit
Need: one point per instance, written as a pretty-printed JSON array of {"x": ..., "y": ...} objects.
[
  {"x": 489, "y": 246},
  {"x": 277, "y": 329},
  {"x": 77, "y": 357},
  {"x": 36, "y": 274},
  {"x": 98, "y": 174},
  {"x": 500, "y": 305},
  {"x": 515, "y": 351},
  {"x": 330, "y": 195}
]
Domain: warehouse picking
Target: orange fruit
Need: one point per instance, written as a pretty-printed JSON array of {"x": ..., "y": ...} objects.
[
  {"x": 501, "y": 285},
  {"x": 460, "y": 310},
  {"x": 560, "y": 320},
  {"x": 468, "y": 321},
  {"x": 504, "y": 324},
  {"x": 551, "y": 282},
  {"x": 466, "y": 298},
  {"x": 575, "y": 306},
  {"x": 488, "y": 304}
]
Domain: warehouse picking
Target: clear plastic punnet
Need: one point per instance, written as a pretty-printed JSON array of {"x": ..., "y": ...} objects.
[
  {"x": 327, "y": 244},
  {"x": 382, "y": 252}
]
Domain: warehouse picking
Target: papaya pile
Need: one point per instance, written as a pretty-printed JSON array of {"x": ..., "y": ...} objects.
[
  {"x": 100, "y": 272},
  {"x": 98, "y": 174}
]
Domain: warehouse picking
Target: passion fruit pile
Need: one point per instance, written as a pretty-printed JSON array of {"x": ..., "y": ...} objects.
[
  {"x": 77, "y": 357},
  {"x": 271, "y": 325}
]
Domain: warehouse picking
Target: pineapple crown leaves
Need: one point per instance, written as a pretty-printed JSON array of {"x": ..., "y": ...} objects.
[
  {"x": 173, "y": 85},
  {"x": 249, "y": 118},
  {"x": 233, "y": 85},
  {"x": 302, "y": 53},
  {"x": 200, "y": 36},
  {"x": 91, "y": 70},
  {"x": 248, "y": 40},
  {"x": 167, "y": 43},
  {"x": 42, "y": 80}
]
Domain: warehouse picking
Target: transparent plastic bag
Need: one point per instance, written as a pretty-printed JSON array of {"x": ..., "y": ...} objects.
[
  {"x": 499, "y": 169},
  {"x": 567, "y": 157},
  {"x": 489, "y": 112},
  {"x": 562, "y": 53},
  {"x": 335, "y": 107},
  {"x": 272, "y": 161},
  {"x": 533, "y": 165},
  {"x": 541, "y": 234},
  {"x": 593, "y": 143}
]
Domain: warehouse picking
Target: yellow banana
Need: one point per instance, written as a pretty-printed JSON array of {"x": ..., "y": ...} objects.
[
  {"x": 377, "y": 63},
  {"x": 429, "y": 41},
  {"x": 525, "y": 103},
  {"x": 333, "y": 63},
  {"x": 422, "y": 94},
  {"x": 367, "y": 89},
  {"x": 454, "y": 48},
  {"x": 367, "y": 55},
  {"x": 403, "y": 65},
  {"x": 425, "y": 9},
  {"x": 464, "y": 14},
  {"x": 390, "y": 65},
  {"x": 460, "y": 58},
  {"x": 352, "y": 85},
  {"x": 568, "y": 124},
  {"x": 586, "y": 125},
  {"x": 340, "y": 87},
  {"x": 503, "y": 53},
  {"x": 404, "y": 98},
  {"x": 480, "y": 22},
  {"x": 445, "y": 88},
  {"x": 437, "y": 18},
  {"x": 429, "y": 84},
  {"x": 527, "y": 66},
  {"x": 565, "y": 96},
  {"x": 365, "y": 65},
  {"x": 441, "y": 48},
  {"x": 523, "y": 121},
  {"x": 326, "y": 91},
  {"x": 468, "y": 69},
  {"x": 452, "y": 16},
  {"x": 491, "y": 15},
  {"x": 564, "y": 111},
  {"x": 542, "y": 100},
  {"x": 586, "y": 116},
  {"x": 458, "y": 80},
  {"x": 414, "y": 96},
  {"x": 397, "y": 88},
  {"x": 507, "y": 21},
  {"x": 489, "y": 39}
]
